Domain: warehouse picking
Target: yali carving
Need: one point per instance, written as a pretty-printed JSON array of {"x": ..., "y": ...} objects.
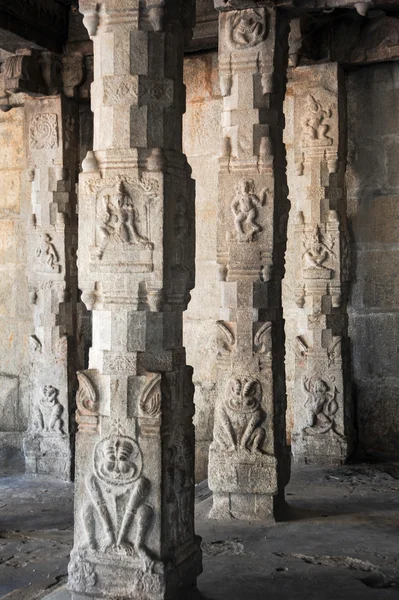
[
  {"x": 239, "y": 418},
  {"x": 117, "y": 480},
  {"x": 47, "y": 412}
]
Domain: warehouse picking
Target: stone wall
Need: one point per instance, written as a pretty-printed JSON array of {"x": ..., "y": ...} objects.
[
  {"x": 202, "y": 140},
  {"x": 373, "y": 209},
  {"x": 15, "y": 310}
]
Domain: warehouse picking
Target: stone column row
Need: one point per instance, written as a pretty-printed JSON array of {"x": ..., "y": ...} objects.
[
  {"x": 249, "y": 462},
  {"x": 134, "y": 498}
]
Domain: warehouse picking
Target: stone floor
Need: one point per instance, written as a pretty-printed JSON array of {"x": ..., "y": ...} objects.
[{"x": 340, "y": 540}]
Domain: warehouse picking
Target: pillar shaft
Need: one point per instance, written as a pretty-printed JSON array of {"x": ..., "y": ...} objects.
[
  {"x": 51, "y": 125},
  {"x": 322, "y": 404},
  {"x": 249, "y": 464},
  {"x": 134, "y": 507}
]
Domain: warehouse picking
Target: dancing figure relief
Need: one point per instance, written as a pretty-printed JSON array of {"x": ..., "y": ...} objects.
[
  {"x": 239, "y": 418},
  {"x": 321, "y": 405},
  {"x": 316, "y": 252},
  {"x": 119, "y": 222},
  {"x": 47, "y": 412},
  {"x": 116, "y": 503},
  {"x": 315, "y": 124},
  {"x": 245, "y": 208},
  {"x": 46, "y": 254}
]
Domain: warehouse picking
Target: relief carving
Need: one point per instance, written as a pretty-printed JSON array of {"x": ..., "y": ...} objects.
[
  {"x": 225, "y": 339},
  {"x": 334, "y": 351},
  {"x": 315, "y": 123},
  {"x": 150, "y": 401},
  {"x": 262, "y": 339},
  {"x": 316, "y": 251},
  {"x": 81, "y": 573},
  {"x": 46, "y": 413},
  {"x": 321, "y": 405},
  {"x": 117, "y": 480},
  {"x": 119, "y": 221},
  {"x": 245, "y": 208},
  {"x": 43, "y": 131},
  {"x": 238, "y": 422},
  {"x": 180, "y": 484},
  {"x": 46, "y": 254},
  {"x": 87, "y": 403},
  {"x": 246, "y": 28}
]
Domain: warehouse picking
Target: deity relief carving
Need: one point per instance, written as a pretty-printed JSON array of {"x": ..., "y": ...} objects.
[
  {"x": 46, "y": 413},
  {"x": 321, "y": 405},
  {"x": 180, "y": 484},
  {"x": 315, "y": 124},
  {"x": 120, "y": 221},
  {"x": 46, "y": 254},
  {"x": 43, "y": 131},
  {"x": 116, "y": 506},
  {"x": 246, "y": 28},
  {"x": 239, "y": 418},
  {"x": 245, "y": 208},
  {"x": 316, "y": 252}
]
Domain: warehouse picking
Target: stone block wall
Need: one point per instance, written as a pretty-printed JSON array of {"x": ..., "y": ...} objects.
[
  {"x": 15, "y": 310},
  {"x": 202, "y": 139},
  {"x": 373, "y": 210}
]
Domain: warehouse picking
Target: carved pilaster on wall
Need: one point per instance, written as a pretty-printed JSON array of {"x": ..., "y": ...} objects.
[
  {"x": 248, "y": 461},
  {"x": 135, "y": 443},
  {"x": 323, "y": 428},
  {"x": 51, "y": 126}
]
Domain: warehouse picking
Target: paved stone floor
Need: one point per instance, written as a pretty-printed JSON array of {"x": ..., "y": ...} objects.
[{"x": 340, "y": 540}]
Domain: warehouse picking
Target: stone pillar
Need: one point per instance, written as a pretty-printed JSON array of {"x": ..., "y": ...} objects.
[
  {"x": 51, "y": 125},
  {"x": 134, "y": 497},
  {"x": 249, "y": 463},
  {"x": 322, "y": 398}
]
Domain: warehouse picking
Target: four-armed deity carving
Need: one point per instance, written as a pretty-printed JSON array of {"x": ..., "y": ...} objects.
[
  {"x": 116, "y": 500},
  {"x": 46, "y": 417},
  {"x": 245, "y": 207},
  {"x": 238, "y": 424},
  {"x": 321, "y": 405},
  {"x": 119, "y": 221}
]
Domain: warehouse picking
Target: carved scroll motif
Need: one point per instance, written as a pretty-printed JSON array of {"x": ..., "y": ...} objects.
[
  {"x": 262, "y": 339},
  {"x": 43, "y": 131},
  {"x": 87, "y": 403},
  {"x": 239, "y": 418},
  {"x": 225, "y": 339},
  {"x": 246, "y": 28},
  {"x": 150, "y": 401}
]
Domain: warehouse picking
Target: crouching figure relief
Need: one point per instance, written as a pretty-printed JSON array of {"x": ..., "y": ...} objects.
[
  {"x": 47, "y": 412},
  {"x": 116, "y": 518},
  {"x": 239, "y": 419},
  {"x": 321, "y": 405}
]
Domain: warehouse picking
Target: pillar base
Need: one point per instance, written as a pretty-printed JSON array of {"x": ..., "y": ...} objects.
[
  {"x": 94, "y": 575},
  {"x": 321, "y": 449},
  {"x": 48, "y": 454}
]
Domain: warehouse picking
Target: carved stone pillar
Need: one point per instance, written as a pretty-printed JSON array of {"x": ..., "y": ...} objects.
[
  {"x": 134, "y": 498},
  {"x": 322, "y": 402},
  {"x": 249, "y": 464},
  {"x": 51, "y": 130}
]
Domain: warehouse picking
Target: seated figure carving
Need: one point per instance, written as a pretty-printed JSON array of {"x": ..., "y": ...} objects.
[
  {"x": 238, "y": 426},
  {"x": 47, "y": 412},
  {"x": 117, "y": 480}
]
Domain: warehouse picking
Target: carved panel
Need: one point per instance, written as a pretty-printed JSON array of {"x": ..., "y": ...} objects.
[
  {"x": 47, "y": 411},
  {"x": 246, "y": 28},
  {"x": 43, "y": 131},
  {"x": 245, "y": 208}
]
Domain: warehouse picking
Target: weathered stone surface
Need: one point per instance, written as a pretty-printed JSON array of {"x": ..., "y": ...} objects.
[
  {"x": 248, "y": 460},
  {"x": 51, "y": 126},
  {"x": 318, "y": 275},
  {"x": 134, "y": 508},
  {"x": 372, "y": 185}
]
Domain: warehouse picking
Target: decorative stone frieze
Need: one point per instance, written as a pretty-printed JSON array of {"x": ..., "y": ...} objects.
[
  {"x": 134, "y": 500},
  {"x": 248, "y": 460},
  {"x": 52, "y": 128},
  {"x": 322, "y": 398}
]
